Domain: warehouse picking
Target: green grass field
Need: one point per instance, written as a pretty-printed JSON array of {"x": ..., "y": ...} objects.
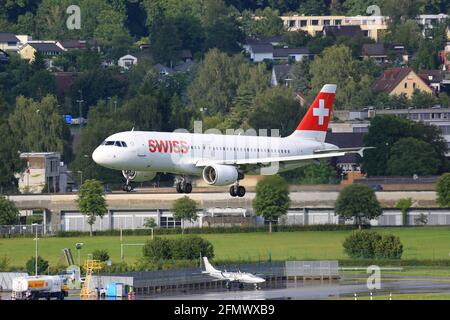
[{"x": 419, "y": 243}]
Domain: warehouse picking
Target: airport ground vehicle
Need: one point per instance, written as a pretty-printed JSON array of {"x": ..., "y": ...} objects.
[{"x": 36, "y": 287}]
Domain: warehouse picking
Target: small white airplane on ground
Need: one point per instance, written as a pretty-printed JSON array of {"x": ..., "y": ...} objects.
[
  {"x": 221, "y": 159},
  {"x": 230, "y": 277}
]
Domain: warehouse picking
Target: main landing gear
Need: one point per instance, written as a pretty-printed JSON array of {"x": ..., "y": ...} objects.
[
  {"x": 237, "y": 191},
  {"x": 183, "y": 186}
]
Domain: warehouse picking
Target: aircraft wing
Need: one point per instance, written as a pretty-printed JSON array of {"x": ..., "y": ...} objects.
[{"x": 319, "y": 154}]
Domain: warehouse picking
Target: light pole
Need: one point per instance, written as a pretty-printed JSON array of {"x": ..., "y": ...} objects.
[
  {"x": 81, "y": 180},
  {"x": 36, "y": 259},
  {"x": 78, "y": 246},
  {"x": 80, "y": 101}
]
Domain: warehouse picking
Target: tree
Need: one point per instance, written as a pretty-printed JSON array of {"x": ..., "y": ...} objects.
[
  {"x": 404, "y": 204},
  {"x": 337, "y": 65},
  {"x": 150, "y": 223},
  {"x": 91, "y": 201},
  {"x": 409, "y": 156},
  {"x": 184, "y": 209},
  {"x": 11, "y": 162},
  {"x": 301, "y": 77},
  {"x": 359, "y": 202},
  {"x": 9, "y": 214},
  {"x": 166, "y": 44},
  {"x": 268, "y": 24},
  {"x": 42, "y": 265},
  {"x": 385, "y": 131},
  {"x": 272, "y": 198},
  {"x": 407, "y": 33},
  {"x": 361, "y": 244},
  {"x": 443, "y": 190},
  {"x": 275, "y": 108},
  {"x": 40, "y": 126},
  {"x": 158, "y": 249}
]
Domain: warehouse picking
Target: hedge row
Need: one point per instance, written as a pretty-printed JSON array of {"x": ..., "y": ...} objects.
[{"x": 209, "y": 230}]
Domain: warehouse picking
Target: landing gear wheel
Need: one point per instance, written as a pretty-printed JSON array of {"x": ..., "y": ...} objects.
[
  {"x": 227, "y": 285},
  {"x": 178, "y": 187},
  {"x": 187, "y": 188},
  {"x": 233, "y": 191},
  {"x": 241, "y": 191},
  {"x": 241, "y": 286},
  {"x": 128, "y": 188}
]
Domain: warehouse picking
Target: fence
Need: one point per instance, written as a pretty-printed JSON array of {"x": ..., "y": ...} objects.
[
  {"x": 154, "y": 281},
  {"x": 15, "y": 230}
]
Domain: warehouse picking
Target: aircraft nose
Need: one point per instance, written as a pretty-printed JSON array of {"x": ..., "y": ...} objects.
[{"x": 97, "y": 156}]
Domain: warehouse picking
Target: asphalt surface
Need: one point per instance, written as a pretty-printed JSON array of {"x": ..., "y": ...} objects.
[{"x": 346, "y": 287}]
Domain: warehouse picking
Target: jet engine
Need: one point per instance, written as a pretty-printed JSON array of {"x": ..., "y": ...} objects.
[
  {"x": 138, "y": 176},
  {"x": 220, "y": 175}
]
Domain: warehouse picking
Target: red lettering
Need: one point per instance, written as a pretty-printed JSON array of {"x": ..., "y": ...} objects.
[
  {"x": 151, "y": 144},
  {"x": 184, "y": 147},
  {"x": 171, "y": 146},
  {"x": 176, "y": 148}
]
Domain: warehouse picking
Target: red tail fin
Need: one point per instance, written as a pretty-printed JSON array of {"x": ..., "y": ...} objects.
[{"x": 314, "y": 124}]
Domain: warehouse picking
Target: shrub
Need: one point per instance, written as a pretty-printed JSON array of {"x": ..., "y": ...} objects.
[
  {"x": 369, "y": 244},
  {"x": 389, "y": 247},
  {"x": 360, "y": 244},
  {"x": 42, "y": 265},
  {"x": 158, "y": 249},
  {"x": 186, "y": 248},
  {"x": 4, "y": 263},
  {"x": 101, "y": 255},
  {"x": 190, "y": 248}
]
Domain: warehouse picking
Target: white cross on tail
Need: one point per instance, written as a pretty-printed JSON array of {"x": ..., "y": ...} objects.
[{"x": 321, "y": 111}]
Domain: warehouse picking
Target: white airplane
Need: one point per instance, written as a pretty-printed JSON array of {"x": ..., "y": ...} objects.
[
  {"x": 221, "y": 159},
  {"x": 238, "y": 277}
]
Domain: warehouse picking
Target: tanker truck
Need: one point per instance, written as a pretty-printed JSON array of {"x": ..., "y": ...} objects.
[{"x": 36, "y": 287}]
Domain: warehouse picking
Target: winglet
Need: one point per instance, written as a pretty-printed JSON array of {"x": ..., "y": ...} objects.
[{"x": 361, "y": 151}]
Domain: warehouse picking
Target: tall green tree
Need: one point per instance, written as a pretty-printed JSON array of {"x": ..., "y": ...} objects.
[
  {"x": 184, "y": 209},
  {"x": 272, "y": 198},
  {"x": 268, "y": 24},
  {"x": 40, "y": 126},
  {"x": 9, "y": 214},
  {"x": 443, "y": 190},
  {"x": 91, "y": 201},
  {"x": 166, "y": 44},
  {"x": 358, "y": 202}
]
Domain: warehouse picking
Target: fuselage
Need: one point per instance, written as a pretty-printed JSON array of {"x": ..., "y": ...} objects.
[{"x": 178, "y": 152}]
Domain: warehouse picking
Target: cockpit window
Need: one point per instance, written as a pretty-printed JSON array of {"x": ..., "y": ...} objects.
[
  {"x": 124, "y": 144},
  {"x": 118, "y": 144},
  {"x": 109, "y": 143}
]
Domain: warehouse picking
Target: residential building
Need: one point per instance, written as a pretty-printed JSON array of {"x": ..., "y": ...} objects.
[
  {"x": 369, "y": 25},
  {"x": 261, "y": 52},
  {"x": 397, "y": 81},
  {"x": 384, "y": 53},
  {"x": 348, "y": 164},
  {"x": 433, "y": 78},
  {"x": 127, "y": 61},
  {"x": 47, "y": 49},
  {"x": 74, "y": 44},
  {"x": 343, "y": 31},
  {"x": 430, "y": 21},
  {"x": 44, "y": 170},
  {"x": 4, "y": 56},
  {"x": 359, "y": 120},
  {"x": 281, "y": 75},
  {"x": 8, "y": 41}
]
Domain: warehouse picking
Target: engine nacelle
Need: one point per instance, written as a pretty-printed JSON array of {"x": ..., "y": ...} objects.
[
  {"x": 138, "y": 176},
  {"x": 220, "y": 175}
]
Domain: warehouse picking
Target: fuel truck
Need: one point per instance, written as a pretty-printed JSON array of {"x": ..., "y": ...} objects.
[{"x": 36, "y": 287}]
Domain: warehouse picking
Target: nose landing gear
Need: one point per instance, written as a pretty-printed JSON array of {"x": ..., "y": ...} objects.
[{"x": 128, "y": 186}]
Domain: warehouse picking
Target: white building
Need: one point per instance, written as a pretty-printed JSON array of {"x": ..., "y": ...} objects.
[
  {"x": 127, "y": 61},
  {"x": 44, "y": 170}
]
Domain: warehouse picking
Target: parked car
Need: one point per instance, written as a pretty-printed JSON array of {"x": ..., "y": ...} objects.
[{"x": 377, "y": 187}]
